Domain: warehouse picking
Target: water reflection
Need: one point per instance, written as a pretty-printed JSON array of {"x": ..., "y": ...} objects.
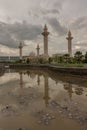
[
  {"x": 21, "y": 79},
  {"x": 46, "y": 84},
  {"x": 38, "y": 80},
  {"x": 68, "y": 88},
  {"x": 46, "y": 90},
  {"x": 35, "y": 75},
  {"x": 79, "y": 90},
  {"x": 35, "y": 91}
]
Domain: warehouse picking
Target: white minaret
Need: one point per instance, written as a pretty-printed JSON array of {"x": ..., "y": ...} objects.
[
  {"x": 21, "y": 80},
  {"x": 69, "y": 38},
  {"x": 46, "y": 91},
  {"x": 20, "y": 50},
  {"x": 38, "y": 48},
  {"x": 45, "y": 33}
]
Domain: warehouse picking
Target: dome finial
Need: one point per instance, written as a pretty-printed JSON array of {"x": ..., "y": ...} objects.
[
  {"x": 69, "y": 33},
  {"x": 45, "y": 27},
  {"x": 37, "y": 45}
]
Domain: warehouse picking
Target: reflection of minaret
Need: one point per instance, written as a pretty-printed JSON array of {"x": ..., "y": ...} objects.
[
  {"x": 69, "y": 38},
  {"x": 28, "y": 73},
  {"x": 45, "y": 33},
  {"x": 38, "y": 80},
  {"x": 21, "y": 80},
  {"x": 20, "y": 50},
  {"x": 38, "y": 48},
  {"x": 68, "y": 87},
  {"x": 56, "y": 81},
  {"x": 46, "y": 91}
]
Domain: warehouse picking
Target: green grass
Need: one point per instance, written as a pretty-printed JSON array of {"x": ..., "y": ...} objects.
[
  {"x": 56, "y": 64},
  {"x": 70, "y": 65}
]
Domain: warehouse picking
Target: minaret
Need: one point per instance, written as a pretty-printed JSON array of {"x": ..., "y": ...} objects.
[
  {"x": 21, "y": 80},
  {"x": 38, "y": 48},
  {"x": 69, "y": 38},
  {"x": 46, "y": 91},
  {"x": 38, "y": 80},
  {"x": 20, "y": 50},
  {"x": 45, "y": 33}
]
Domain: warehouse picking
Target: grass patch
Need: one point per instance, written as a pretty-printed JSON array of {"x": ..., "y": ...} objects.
[
  {"x": 74, "y": 65},
  {"x": 70, "y": 65}
]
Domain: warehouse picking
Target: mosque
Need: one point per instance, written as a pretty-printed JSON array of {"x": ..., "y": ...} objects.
[{"x": 45, "y": 34}]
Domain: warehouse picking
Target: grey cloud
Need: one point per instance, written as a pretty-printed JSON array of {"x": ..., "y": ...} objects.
[
  {"x": 43, "y": 12},
  {"x": 80, "y": 22},
  {"x": 58, "y": 4},
  {"x": 40, "y": 12},
  {"x": 10, "y": 34},
  {"x": 56, "y": 25},
  {"x": 82, "y": 43},
  {"x": 50, "y": 11},
  {"x": 46, "y": 8},
  {"x": 5, "y": 36},
  {"x": 80, "y": 48},
  {"x": 24, "y": 31}
]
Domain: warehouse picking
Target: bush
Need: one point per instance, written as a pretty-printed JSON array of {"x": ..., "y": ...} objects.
[
  {"x": 28, "y": 61},
  {"x": 50, "y": 60}
]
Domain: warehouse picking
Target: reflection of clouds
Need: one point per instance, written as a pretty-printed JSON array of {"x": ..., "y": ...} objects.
[
  {"x": 8, "y": 77},
  {"x": 56, "y": 91},
  {"x": 79, "y": 91},
  {"x": 68, "y": 88},
  {"x": 32, "y": 82},
  {"x": 32, "y": 75}
]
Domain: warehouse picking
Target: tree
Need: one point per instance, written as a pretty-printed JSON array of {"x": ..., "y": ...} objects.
[
  {"x": 20, "y": 61},
  {"x": 66, "y": 57},
  {"x": 28, "y": 61},
  {"x": 55, "y": 58},
  {"x": 49, "y": 60},
  {"x": 86, "y": 57},
  {"x": 78, "y": 56},
  {"x": 60, "y": 60},
  {"x": 41, "y": 60}
]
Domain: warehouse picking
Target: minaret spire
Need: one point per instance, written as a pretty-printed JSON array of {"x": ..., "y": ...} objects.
[
  {"x": 69, "y": 38},
  {"x": 20, "y": 50},
  {"x": 38, "y": 48},
  {"x": 45, "y": 34},
  {"x": 45, "y": 27}
]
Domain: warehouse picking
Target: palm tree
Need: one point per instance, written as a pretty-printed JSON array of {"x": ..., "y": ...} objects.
[
  {"x": 66, "y": 57},
  {"x": 50, "y": 60},
  {"x": 86, "y": 57},
  {"x": 78, "y": 56}
]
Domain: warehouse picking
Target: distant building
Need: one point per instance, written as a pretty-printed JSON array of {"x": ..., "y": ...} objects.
[
  {"x": 9, "y": 58},
  {"x": 58, "y": 54},
  {"x": 30, "y": 56},
  {"x": 14, "y": 58}
]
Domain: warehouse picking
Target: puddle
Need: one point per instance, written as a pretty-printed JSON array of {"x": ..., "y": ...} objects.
[{"x": 38, "y": 100}]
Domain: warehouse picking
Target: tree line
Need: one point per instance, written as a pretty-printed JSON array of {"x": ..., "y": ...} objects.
[{"x": 66, "y": 58}]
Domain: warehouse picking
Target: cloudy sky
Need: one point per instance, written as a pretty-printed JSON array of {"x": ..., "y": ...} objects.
[{"x": 23, "y": 20}]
